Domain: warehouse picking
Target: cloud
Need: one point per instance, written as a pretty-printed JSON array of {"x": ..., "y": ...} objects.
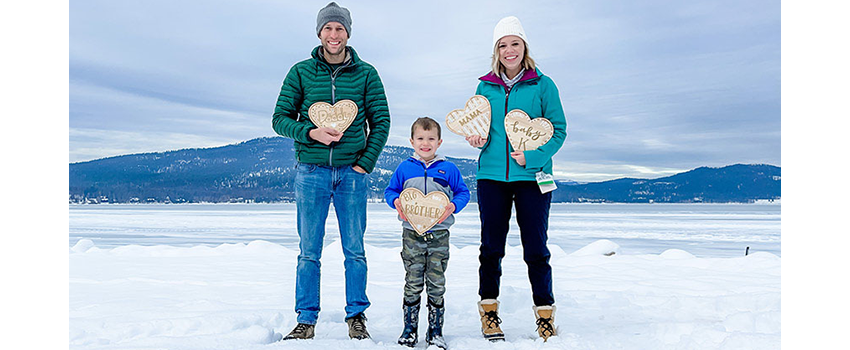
[{"x": 650, "y": 85}]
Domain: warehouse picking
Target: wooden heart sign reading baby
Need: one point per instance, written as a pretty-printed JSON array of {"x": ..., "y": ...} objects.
[
  {"x": 338, "y": 117},
  {"x": 423, "y": 210},
  {"x": 527, "y": 134},
  {"x": 473, "y": 119}
]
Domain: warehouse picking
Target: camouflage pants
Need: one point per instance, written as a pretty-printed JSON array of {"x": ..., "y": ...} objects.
[{"x": 425, "y": 263}]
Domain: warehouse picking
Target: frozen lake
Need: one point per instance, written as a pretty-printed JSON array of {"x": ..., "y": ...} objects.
[{"x": 704, "y": 230}]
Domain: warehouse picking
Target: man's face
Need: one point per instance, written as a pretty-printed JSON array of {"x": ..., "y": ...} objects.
[{"x": 334, "y": 38}]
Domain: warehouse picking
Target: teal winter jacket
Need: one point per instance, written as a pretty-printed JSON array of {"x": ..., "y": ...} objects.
[
  {"x": 314, "y": 80},
  {"x": 535, "y": 94}
]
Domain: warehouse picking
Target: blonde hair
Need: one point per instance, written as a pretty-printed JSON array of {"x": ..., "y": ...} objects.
[{"x": 497, "y": 67}]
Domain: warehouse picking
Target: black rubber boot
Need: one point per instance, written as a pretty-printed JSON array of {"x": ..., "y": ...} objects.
[
  {"x": 436, "y": 316},
  {"x": 409, "y": 336}
]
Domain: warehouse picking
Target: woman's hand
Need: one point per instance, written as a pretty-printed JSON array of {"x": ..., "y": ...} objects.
[
  {"x": 397, "y": 205},
  {"x": 476, "y": 141},
  {"x": 519, "y": 157}
]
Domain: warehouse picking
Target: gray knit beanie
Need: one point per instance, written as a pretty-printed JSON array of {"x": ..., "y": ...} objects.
[{"x": 333, "y": 13}]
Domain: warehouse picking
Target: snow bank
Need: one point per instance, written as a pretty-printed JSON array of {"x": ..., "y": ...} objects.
[
  {"x": 241, "y": 296},
  {"x": 601, "y": 247},
  {"x": 82, "y": 246}
]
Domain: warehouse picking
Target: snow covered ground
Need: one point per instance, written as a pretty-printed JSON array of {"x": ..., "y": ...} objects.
[{"x": 173, "y": 295}]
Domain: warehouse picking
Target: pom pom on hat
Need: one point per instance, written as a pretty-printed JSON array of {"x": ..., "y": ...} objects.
[{"x": 508, "y": 26}]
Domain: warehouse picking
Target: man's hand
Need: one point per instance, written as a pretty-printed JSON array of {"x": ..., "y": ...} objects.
[
  {"x": 325, "y": 135},
  {"x": 519, "y": 157},
  {"x": 397, "y": 205},
  {"x": 359, "y": 169},
  {"x": 476, "y": 141},
  {"x": 449, "y": 210}
]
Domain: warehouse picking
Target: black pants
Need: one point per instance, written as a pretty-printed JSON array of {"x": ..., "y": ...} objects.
[{"x": 532, "y": 209}]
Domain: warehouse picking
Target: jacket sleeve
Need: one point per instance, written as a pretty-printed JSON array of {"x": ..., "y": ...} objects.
[
  {"x": 285, "y": 119},
  {"x": 460, "y": 191},
  {"x": 395, "y": 186},
  {"x": 553, "y": 110},
  {"x": 378, "y": 121}
]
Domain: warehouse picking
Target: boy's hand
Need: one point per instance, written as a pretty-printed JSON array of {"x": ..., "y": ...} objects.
[
  {"x": 397, "y": 205},
  {"x": 325, "y": 135},
  {"x": 476, "y": 141},
  {"x": 449, "y": 210}
]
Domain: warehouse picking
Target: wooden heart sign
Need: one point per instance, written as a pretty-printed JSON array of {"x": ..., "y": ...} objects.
[
  {"x": 527, "y": 134},
  {"x": 423, "y": 210},
  {"x": 338, "y": 117},
  {"x": 473, "y": 119}
]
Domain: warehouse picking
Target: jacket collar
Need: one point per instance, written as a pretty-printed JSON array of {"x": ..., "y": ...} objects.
[
  {"x": 415, "y": 157},
  {"x": 492, "y": 78},
  {"x": 351, "y": 56}
]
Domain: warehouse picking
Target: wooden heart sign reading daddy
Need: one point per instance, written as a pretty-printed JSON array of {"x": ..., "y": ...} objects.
[
  {"x": 338, "y": 117},
  {"x": 473, "y": 119},
  {"x": 423, "y": 210},
  {"x": 527, "y": 134}
]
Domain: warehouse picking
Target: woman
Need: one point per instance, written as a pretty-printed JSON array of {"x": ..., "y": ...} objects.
[{"x": 507, "y": 177}]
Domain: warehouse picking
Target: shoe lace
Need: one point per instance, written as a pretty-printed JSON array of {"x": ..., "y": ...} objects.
[
  {"x": 301, "y": 328},
  {"x": 493, "y": 319},
  {"x": 358, "y": 325},
  {"x": 546, "y": 325}
]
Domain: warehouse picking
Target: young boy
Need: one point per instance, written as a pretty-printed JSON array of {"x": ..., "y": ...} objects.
[{"x": 425, "y": 257}]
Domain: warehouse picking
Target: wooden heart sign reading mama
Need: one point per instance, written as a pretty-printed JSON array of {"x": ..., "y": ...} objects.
[
  {"x": 423, "y": 210},
  {"x": 473, "y": 119},
  {"x": 527, "y": 134},
  {"x": 338, "y": 117}
]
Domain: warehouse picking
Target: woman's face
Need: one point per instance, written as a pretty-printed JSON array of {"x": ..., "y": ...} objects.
[{"x": 511, "y": 53}]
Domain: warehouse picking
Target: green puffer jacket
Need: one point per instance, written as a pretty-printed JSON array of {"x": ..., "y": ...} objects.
[
  {"x": 535, "y": 94},
  {"x": 313, "y": 80}
]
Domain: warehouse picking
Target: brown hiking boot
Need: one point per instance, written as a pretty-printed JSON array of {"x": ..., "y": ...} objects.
[
  {"x": 357, "y": 327},
  {"x": 545, "y": 321},
  {"x": 302, "y": 331},
  {"x": 489, "y": 311}
]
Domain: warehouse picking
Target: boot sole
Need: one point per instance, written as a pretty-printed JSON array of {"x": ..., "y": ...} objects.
[
  {"x": 495, "y": 338},
  {"x": 408, "y": 344}
]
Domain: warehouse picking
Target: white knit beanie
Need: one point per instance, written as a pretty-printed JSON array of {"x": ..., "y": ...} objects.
[{"x": 508, "y": 26}]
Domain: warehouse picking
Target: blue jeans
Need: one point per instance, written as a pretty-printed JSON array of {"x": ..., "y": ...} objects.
[{"x": 315, "y": 188}]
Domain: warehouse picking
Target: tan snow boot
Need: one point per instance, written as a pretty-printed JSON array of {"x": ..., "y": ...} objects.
[
  {"x": 489, "y": 311},
  {"x": 545, "y": 321}
]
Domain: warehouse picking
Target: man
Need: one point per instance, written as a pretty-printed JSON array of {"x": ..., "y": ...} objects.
[{"x": 332, "y": 165}]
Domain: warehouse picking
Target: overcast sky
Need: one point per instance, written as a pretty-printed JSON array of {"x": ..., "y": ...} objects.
[{"x": 649, "y": 88}]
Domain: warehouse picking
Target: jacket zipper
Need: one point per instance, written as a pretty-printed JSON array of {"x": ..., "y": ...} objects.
[
  {"x": 507, "y": 140},
  {"x": 333, "y": 101},
  {"x": 425, "y": 184}
]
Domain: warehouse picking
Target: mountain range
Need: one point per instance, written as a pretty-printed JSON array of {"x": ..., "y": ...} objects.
[{"x": 262, "y": 170}]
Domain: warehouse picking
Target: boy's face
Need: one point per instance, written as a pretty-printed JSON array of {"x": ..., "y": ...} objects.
[{"x": 425, "y": 142}]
